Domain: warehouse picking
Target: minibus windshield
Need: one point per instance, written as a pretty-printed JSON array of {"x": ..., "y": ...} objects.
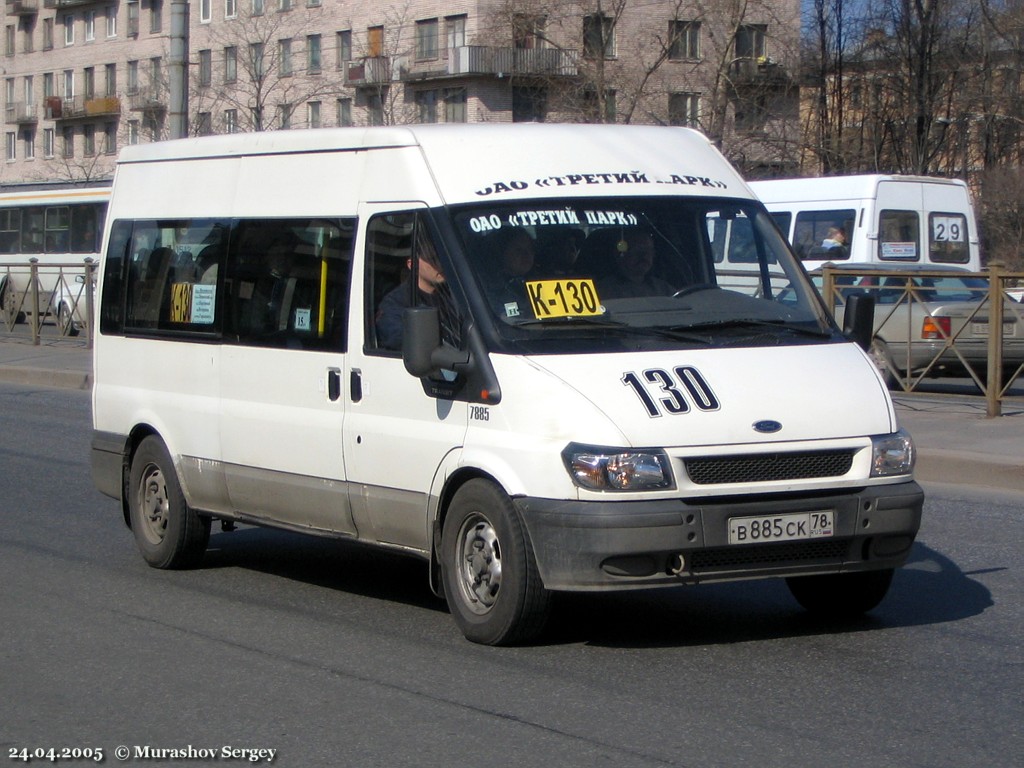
[{"x": 637, "y": 273}]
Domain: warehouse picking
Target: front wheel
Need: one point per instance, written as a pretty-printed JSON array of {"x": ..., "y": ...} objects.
[
  {"x": 489, "y": 572},
  {"x": 65, "y": 321},
  {"x": 169, "y": 533},
  {"x": 841, "y": 595}
]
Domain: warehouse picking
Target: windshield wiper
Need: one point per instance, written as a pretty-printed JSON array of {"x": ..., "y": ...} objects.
[
  {"x": 744, "y": 322},
  {"x": 676, "y": 333}
]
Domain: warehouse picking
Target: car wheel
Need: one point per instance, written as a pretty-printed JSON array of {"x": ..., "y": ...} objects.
[
  {"x": 882, "y": 358},
  {"x": 168, "y": 532},
  {"x": 489, "y": 572},
  {"x": 65, "y": 322},
  {"x": 841, "y": 594}
]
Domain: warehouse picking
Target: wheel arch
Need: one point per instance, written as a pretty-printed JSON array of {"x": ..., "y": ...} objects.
[{"x": 138, "y": 433}]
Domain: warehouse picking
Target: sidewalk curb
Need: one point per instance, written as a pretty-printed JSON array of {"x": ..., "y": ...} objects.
[
  {"x": 966, "y": 468},
  {"x": 45, "y": 377}
]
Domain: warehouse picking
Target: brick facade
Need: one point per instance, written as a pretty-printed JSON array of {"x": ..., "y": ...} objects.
[{"x": 85, "y": 77}]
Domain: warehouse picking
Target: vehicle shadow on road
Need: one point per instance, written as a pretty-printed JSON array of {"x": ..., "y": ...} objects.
[
  {"x": 929, "y": 589},
  {"x": 336, "y": 564}
]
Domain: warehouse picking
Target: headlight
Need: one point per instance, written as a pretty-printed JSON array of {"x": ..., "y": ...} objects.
[
  {"x": 615, "y": 469},
  {"x": 892, "y": 454}
]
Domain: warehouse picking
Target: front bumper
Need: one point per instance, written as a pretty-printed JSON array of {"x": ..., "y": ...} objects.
[{"x": 582, "y": 545}]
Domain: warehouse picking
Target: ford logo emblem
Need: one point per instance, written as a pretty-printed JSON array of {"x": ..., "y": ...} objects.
[{"x": 767, "y": 426}]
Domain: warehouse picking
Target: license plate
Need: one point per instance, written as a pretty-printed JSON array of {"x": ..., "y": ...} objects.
[
  {"x": 770, "y": 528},
  {"x": 981, "y": 329}
]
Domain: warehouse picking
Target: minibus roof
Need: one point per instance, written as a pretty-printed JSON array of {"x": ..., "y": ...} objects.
[
  {"x": 823, "y": 188},
  {"x": 503, "y": 162}
]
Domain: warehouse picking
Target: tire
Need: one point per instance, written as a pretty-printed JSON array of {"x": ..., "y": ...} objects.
[
  {"x": 841, "y": 595},
  {"x": 65, "y": 322},
  {"x": 169, "y": 533},
  {"x": 882, "y": 358},
  {"x": 488, "y": 569}
]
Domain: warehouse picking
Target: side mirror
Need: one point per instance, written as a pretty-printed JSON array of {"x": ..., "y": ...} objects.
[
  {"x": 859, "y": 319},
  {"x": 422, "y": 350}
]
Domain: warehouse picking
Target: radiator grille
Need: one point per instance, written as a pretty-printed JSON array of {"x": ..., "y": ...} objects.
[
  {"x": 763, "y": 467},
  {"x": 827, "y": 551}
]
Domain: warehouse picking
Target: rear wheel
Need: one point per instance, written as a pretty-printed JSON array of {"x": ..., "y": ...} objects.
[
  {"x": 841, "y": 594},
  {"x": 169, "y": 533},
  {"x": 489, "y": 572},
  {"x": 65, "y": 321}
]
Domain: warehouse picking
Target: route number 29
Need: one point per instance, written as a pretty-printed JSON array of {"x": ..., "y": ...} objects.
[{"x": 671, "y": 392}]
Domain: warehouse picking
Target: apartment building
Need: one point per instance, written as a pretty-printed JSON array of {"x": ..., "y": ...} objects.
[{"x": 85, "y": 77}]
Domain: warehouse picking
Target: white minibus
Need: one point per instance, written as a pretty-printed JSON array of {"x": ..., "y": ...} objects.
[
  {"x": 875, "y": 218},
  {"x": 505, "y": 350}
]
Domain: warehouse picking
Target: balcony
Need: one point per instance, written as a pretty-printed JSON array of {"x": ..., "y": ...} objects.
[
  {"x": 81, "y": 108},
  {"x": 503, "y": 62},
  {"x": 62, "y": 4},
  {"x": 757, "y": 72},
  {"x": 146, "y": 100},
  {"x": 22, "y": 7},
  {"x": 21, "y": 112},
  {"x": 368, "y": 72}
]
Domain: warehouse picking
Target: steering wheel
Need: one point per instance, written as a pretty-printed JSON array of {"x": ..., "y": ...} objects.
[{"x": 693, "y": 289}]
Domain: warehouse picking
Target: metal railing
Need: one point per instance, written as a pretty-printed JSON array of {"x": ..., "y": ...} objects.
[
  {"x": 48, "y": 296},
  {"x": 917, "y": 331}
]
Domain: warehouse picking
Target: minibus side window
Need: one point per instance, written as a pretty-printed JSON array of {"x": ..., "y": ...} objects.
[
  {"x": 115, "y": 266},
  {"x": 947, "y": 238},
  {"x": 899, "y": 236},
  {"x": 171, "y": 276},
  {"x": 782, "y": 220},
  {"x": 288, "y": 283},
  {"x": 811, "y": 235},
  {"x": 396, "y": 280}
]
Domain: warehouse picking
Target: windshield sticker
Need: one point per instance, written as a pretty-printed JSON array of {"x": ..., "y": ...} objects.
[{"x": 588, "y": 179}]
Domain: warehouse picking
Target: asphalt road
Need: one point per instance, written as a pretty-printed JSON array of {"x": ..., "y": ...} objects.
[{"x": 333, "y": 655}]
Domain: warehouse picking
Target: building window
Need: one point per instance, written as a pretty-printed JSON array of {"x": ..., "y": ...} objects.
[
  {"x": 455, "y": 105},
  {"x": 345, "y": 112},
  {"x": 230, "y": 64},
  {"x": 598, "y": 36},
  {"x": 90, "y": 25},
  {"x": 89, "y": 83},
  {"x": 426, "y": 39},
  {"x": 285, "y": 54},
  {"x": 595, "y": 110},
  {"x": 205, "y": 11},
  {"x": 88, "y": 140},
  {"x": 527, "y": 31},
  {"x": 684, "y": 40},
  {"x": 375, "y": 109},
  {"x": 284, "y": 5},
  {"x": 133, "y": 18},
  {"x": 529, "y": 104},
  {"x": 111, "y": 21},
  {"x": 28, "y": 137},
  {"x": 256, "y": 59},
  {"x": 205, "y": 67},
  {"x": 10, "y": 36},
  {"x": 684, "y": 109},
  {"x": 312, "y": 3},
  {"x": 156, "y": 16},
  {"x": 750, "y": 41},
  {"x": 344, "y": 42},
  {"x": 69, "y": 29},
  {"x": 69, "y": 83},
  {"x": 49, "y": 142},
  {"x": 47, "y": 34},
  {"x": 110, "y": 80},
  {"x": 230, "y": 9},
  {"x": 285, "y": 113},
  {"x": 48, "y": 85},
  {"x": 133, "y": 132},
  {"x": 69, "y": 141},
  {"x": 313, "y": 114},
  {"x": 313, "y": 57},
  {"x": 257, "y": 7},
  {"x": 455, "y": 31},
  {"x": 11, "y": 146},
  {"x": 204, "y": 124},
  {"x": 426, "y": 106},
  {"x": 231, "y": 121},
  {"x": 133, "y": 77},
  {"x": 110, "y": 139}
]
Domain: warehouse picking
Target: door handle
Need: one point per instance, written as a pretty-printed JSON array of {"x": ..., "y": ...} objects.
[
  {"x": 334, "y": 384},
  {"x": 355, "y": 384}
]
